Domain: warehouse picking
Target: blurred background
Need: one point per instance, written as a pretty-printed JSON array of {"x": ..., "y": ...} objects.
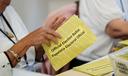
[{"x": 34, "y": 12}]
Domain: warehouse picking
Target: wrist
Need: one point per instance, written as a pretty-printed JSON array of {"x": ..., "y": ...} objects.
[
  {"x": 20, "y": 48},
  {"x": 25, "y": 42},
  {"x": 10, "y": 58}
]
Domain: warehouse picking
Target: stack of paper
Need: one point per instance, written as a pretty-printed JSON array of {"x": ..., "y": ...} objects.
[
  {"x": 125, "y": 56},
  {"x": 120, "y": 62},
  {"x": 76, "y": 37},
  {"x": 99, "y": 67}
]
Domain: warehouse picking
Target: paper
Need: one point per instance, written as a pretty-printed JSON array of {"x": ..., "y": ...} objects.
[
  {"x": 120, "y": 62},
  {"x": 124, "y": 42},
  {"x": 125, "y": 56},
  {"x": 98, "y": 67},
  {"x": 76, "y": 37},
  {"x": 72, "y": 73}
]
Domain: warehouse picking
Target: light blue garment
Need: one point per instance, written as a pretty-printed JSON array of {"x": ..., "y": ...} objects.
[{"x": 123, "y": 4}]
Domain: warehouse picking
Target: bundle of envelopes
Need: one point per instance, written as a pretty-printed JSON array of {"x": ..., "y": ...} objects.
[
  {"x": 120, "y": 62},
  {"x": 99, "y": 67}
]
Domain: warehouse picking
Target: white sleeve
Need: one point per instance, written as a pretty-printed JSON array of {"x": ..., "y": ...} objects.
[
  {"x": 98, "y": 13},
  {"x": 5, "y": 68},
  {"x": 16, "y": 23}
]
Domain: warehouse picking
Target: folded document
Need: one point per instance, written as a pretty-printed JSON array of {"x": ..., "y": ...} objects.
[{"x": 76, "y": 37}]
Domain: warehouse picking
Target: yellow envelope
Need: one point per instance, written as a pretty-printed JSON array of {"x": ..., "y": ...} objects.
[
  {"x": 76, "y": 37},
  {"x": 124, "y": 56},
  {"x": 124, "y": 42},
  {"x": 99, "y": 67}
]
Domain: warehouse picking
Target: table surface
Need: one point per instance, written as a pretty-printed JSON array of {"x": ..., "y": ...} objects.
[{"x": 21, "y": 72}]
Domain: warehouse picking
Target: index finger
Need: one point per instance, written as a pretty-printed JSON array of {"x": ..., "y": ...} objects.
[{"x": 54, "y": 33}]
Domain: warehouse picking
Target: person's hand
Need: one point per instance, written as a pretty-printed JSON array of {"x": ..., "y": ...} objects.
[
  {"x": 37, "y": 37},
  {"x": 42, "y": 36},
  {"x": 48, "y": 69},
  {"x": 56, "y": 18}
]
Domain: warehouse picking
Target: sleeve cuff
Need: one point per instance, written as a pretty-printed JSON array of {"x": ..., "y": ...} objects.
[
  {"x": 5, "y": 68},
  {"x": 8, "y": 59}
]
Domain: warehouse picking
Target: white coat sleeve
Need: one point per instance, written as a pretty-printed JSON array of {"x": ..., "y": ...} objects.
[
  {"x": 5, "y": 67},
  {"x": 98, "y": 13}
]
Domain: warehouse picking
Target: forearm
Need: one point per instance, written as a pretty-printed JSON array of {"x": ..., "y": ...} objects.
[
  {"x": 117, "y": 29},
  {"x": 20, "y": 49},
  {"x": 35, "y": 38}
]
